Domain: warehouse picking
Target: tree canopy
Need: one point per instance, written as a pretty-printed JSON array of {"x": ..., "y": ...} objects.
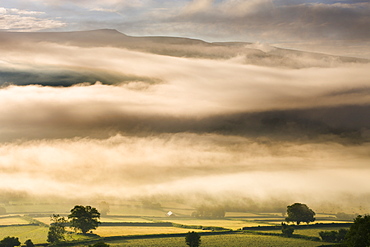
[
  {"x": 29, "y": 243},
  {"x": 359, "y": 232},
  {"x": 84, "y": 218},
  {"x": 9, "y": 242},
  {"x": 192, "y": 239},
  {"x": 56, "y": 229},
  {"x": 299, "y": 212}
]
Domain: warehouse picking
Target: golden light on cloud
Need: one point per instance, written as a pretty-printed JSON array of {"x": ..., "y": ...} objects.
[{"x": 122, "y": 121}]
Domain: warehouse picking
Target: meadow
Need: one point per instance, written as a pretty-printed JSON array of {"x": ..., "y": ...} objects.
[
  {"x": 135, "y": 225},
  {"x": 227, "y": 240}
]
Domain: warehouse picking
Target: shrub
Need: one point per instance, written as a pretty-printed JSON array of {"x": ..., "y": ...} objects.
[
  {"x": 287, "y": 230},
  {"x": 333, "y": 236},
  {"x": 192, "y": 239}
]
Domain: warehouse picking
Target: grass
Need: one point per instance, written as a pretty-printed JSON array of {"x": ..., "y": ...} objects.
[
  {"x": 227, "y": 240},
  {"x": 38, "y": 208},
  {"x": 38, "y": 234},
  {"x": 314, "y": 232},
  {"x": 137, "y": 213},
  {"x": 5, "y": 221},
  {"x": 45, "y": 220},
  {"x": 108, "y": 231}
]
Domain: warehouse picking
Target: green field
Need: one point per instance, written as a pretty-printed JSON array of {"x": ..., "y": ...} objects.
[
  {"x": 155, "y": 233},
  {"x": 38, "y": 234},
  {"x": 227, "y": 240},
  {"x": 311, "y": 232}
]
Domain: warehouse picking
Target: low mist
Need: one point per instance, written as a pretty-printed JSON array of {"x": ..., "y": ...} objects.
[{"x": 123, "y": 123}]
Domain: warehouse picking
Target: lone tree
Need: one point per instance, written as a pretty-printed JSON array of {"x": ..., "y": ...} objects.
[
  {"x": 10, "y": 242},
  {"x": 56, "y": 229},
  {"x": 299, "y": 212},
  {"x": 359, "y": 232},
  {"x": 29, "y": 243},
  {"x": 192, "y": 239},
  {"x": 84, "y": 218}
]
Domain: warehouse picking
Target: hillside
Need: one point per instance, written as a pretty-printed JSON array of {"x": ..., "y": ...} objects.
[{"x": 247, "y": 53}]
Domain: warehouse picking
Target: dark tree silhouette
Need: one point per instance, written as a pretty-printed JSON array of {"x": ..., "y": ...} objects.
[
  {"x": 299, "y": 212},
  {"x": 99, "y": 244},
  {"x": 9, "y": 242},
  {"x": 29, "y": 243},
  {"x": 359, "y": 232},
  {"x": 333, "y": 236},
  {"x": 192, "y": 239},
  {"x": 287, "y": 230},
  {"x": 56, "y": 229},
  {"x": 84, "y": 218}
]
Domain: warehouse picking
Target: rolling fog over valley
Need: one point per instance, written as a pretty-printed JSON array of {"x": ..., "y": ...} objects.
[{"x": 103, "y": 114}]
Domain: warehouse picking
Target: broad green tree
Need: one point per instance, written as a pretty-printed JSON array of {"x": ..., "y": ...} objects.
[
  {"x": 299, "y": 212},
  {"x": 84, "y": 218},
  {"x": 359, "y": 232},
  {"x": 56, "y": 229}
]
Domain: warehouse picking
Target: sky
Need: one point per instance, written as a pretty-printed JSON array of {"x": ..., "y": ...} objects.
[
  {"x": 103, "y": 115},
  {"x": 334, "y": 27}
]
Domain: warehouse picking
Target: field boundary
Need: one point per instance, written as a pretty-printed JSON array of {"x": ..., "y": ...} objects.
[
  {"x": 149, "y": 236},
  {"x": 278, "y": 227}
]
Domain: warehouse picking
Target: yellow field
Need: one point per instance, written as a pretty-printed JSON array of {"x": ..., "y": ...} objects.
[
  {"x": 45, "y": 220},
  {"x": 107, "y": 231},
  {"x": 123, "y": 219},
  {"x": 5, "y": 221},
  {"x": 229, "y": 224}
]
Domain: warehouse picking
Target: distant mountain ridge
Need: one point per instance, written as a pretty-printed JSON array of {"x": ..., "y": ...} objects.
[{"x": 183, "y": 47}]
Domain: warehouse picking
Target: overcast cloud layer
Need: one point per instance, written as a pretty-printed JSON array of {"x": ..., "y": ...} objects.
[{"x": 338, "y": 27}]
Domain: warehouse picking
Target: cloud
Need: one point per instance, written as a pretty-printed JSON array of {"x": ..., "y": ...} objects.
[
  {"x": 299, "y": 21},
  {"x": 328, "y": 26},
  {"x": 317, "y": 25},
  {"x": 25, "y": 20},
  {"x": 15, "y": 11},
  {"x": 184, "y": 164},
  {"x": 197, "y": 6},
  {"x": 164, "y": 124},
  {"x": 182, "y": 94}
]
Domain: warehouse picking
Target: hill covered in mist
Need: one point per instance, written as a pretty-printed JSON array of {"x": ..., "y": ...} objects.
[{"x": 103, "y": 113}]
